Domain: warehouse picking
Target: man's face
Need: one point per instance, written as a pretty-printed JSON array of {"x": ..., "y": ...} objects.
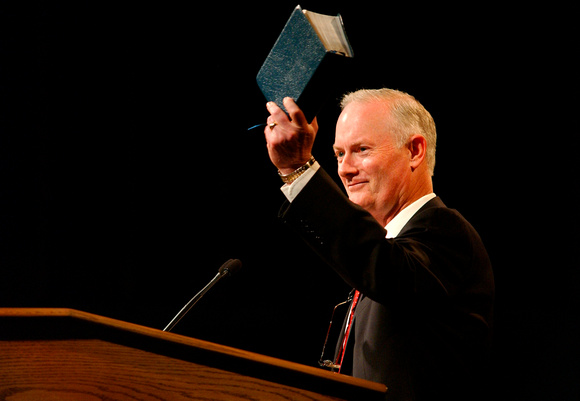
[{"x": 373, "y": 169}]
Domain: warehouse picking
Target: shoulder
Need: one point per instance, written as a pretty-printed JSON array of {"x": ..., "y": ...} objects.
[
  {"x": 435, "y": 214},
  {"x": 438, "y": 226}
]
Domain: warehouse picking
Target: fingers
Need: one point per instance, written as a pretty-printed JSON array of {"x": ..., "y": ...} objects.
[
  {"x": 289, "y": 138},
  {"x": 294, "y": 112},
  {"x": 296, "y": 115},
  {"x": 277, "y": 115}
]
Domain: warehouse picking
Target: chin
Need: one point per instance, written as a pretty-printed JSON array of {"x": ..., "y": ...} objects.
[{"x": 359, "y": 200}]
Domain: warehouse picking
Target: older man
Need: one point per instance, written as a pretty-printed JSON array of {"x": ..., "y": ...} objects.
[{"x": 420, "y": 321}]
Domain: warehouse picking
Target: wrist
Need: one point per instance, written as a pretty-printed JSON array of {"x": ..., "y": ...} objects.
[
  {"x": 290, "y": 177},
  {"x": 289, "y": 168}
]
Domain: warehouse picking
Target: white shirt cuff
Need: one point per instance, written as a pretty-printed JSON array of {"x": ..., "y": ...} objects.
[{"x": 291, "y": 191}]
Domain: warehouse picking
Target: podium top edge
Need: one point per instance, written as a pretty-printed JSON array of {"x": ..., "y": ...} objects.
[{"x": 157, "y": 334}]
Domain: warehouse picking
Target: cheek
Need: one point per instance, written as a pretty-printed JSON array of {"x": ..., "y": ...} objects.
[
  {"x": 375, "y": 171},
  {"x": 384, "y": 177}
]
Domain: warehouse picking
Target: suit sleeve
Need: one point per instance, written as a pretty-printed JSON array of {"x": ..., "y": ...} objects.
[{"x": 415, "y": 265}]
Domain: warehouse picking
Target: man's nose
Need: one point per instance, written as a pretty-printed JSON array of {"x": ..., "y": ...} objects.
[{"x": 346, "y": 167}]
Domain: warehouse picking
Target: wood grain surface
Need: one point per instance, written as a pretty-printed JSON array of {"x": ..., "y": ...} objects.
[
  {"x": 96, "y": 370},
  {"x": 66, "y": 355}
]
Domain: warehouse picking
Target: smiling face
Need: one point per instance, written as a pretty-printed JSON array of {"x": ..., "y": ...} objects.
[{"x": 376, "y": 172}]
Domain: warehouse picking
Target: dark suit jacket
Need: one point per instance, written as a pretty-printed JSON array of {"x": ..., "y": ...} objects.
[{"x": 423, "y": 325}]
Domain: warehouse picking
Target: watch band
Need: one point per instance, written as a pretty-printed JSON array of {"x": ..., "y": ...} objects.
[{"x": 290, "y": 178}]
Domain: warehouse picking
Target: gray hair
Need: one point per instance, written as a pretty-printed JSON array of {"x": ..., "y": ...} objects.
[{"x": 409, "y": 117}]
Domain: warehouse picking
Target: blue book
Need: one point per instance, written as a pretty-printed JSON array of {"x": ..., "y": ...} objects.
[{"x": 307, "y": 61}]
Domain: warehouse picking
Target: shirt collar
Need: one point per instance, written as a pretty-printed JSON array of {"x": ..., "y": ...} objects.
[{"x": 396, "y": 225}]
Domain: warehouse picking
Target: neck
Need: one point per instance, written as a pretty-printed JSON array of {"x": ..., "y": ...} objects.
[{"x": 405, "y": 200}]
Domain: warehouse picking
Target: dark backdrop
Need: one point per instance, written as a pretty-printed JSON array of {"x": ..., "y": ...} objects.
[{"x": 128, "y": 176}]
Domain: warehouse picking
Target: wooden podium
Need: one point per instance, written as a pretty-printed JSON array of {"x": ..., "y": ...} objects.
[{"x": 68, "y": 355}]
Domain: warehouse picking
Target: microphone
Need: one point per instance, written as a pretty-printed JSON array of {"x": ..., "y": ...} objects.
[{"x": 227, "y": 269}]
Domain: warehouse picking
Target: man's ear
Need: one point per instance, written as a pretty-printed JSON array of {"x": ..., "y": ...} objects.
[{"x": 417, "y": 146}]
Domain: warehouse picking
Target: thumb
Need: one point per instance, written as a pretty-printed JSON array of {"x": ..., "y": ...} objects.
[{"x": 314, "y": 124}]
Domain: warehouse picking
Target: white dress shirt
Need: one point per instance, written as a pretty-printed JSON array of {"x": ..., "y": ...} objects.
[{"x": 396, "y": 225}]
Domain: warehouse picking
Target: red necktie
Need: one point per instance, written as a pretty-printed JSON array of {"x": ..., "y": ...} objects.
[
  {"x": 348, "y": 327},
  {"x": 353, "y": 304}
]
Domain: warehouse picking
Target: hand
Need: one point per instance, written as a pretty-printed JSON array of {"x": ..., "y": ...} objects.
[{"x": 290, "y": 140}]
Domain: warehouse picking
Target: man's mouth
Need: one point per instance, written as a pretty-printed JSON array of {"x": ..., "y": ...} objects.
[{"x": 356, "y": 184}]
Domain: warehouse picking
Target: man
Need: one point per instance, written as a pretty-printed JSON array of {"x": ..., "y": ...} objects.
[{"x": 421, "y": 323}]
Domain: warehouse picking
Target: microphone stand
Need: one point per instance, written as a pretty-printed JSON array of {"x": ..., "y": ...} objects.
[{"x": 197, "y": 297}]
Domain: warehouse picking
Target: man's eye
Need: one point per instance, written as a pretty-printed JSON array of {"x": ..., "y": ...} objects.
[{"x": 339, "y": 153}]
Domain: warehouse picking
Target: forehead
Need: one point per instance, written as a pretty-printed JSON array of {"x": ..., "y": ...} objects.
[{"x": 363, "y": 123}]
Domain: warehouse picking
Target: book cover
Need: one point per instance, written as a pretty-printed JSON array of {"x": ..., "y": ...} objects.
[{"x": 306, "y": 61}]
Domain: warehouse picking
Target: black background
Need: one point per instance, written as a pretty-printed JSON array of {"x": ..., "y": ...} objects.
[{"x": 128, "y": 176}]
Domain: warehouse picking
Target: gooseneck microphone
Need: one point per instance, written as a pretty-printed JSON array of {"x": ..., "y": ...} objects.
[{"x": 228, "y": 268}]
